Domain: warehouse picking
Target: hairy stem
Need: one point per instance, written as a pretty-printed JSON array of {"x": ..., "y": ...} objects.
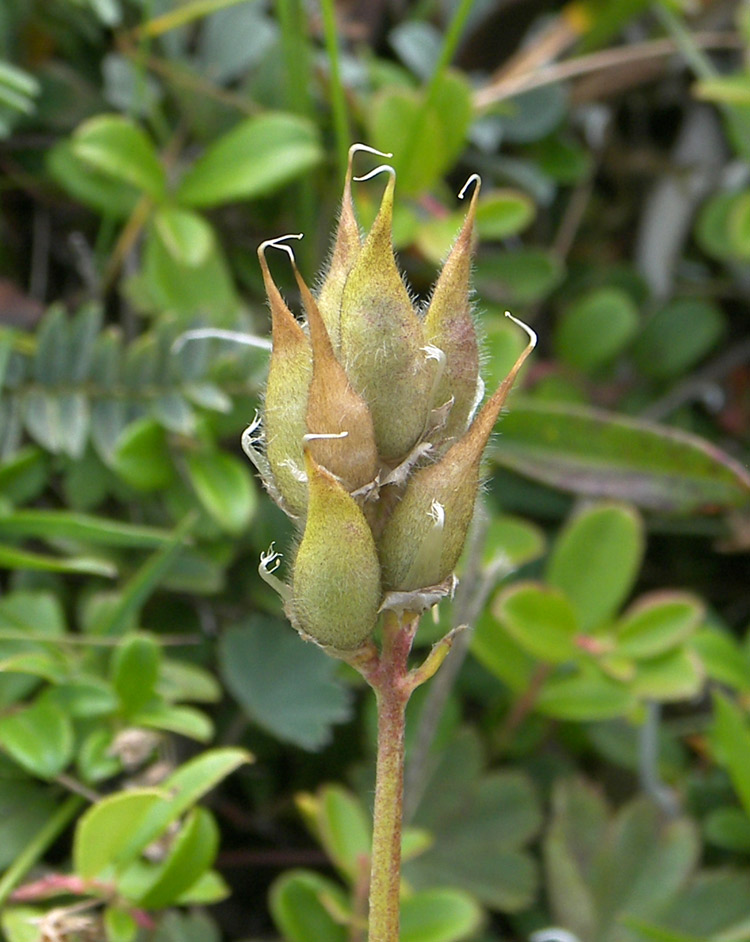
[{"x": 392, "y": 691}]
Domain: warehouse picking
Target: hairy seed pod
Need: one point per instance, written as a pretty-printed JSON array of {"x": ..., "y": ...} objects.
[
  {"x": 289, "y": 375},
  {"x": 422, "y": 541},
  {"x": 449, "y": 325},
  {"x": 381, "y": 341},
  {"x": 336, "y": 581},
  {"x": 346, "y": 249},
  {"x": 335, "y": 411}
]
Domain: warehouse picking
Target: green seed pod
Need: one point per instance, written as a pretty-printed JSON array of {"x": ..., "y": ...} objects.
[
  {"x": 336, "y": 581},
  {"x": 335, "y": 411},
  {"x": 423, "y": 539},
  {"x": 449, "y": 325},
  {"x": 346, "y": 249},
  {"x": 289, "y": 375},
  {"x": 382, "y": 342}
]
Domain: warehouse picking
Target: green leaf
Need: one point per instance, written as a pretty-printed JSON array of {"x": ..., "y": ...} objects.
[
  {"x": 135, "y": 670},
  {"x": 601, "y": 868},
  {"x": 712, "y": 230},
  {"x": 647, "y": 932},
  {"x": 739, "y": 226},
  {"x": 143, "y": 583},
  {"x": 25, "y": 807},
  {"x": 480, "y": 824},
  {"x": 142, "y": 457},
  {"x": 596, "y": 328},
  {"x": 728, "y": 828},
  {"x": 54, "y": 356},
  {"x": 190, "y": 855},
  {"x": 285, "y": 686},
  {"x": 257, "y": 157},
  {"x": 503, "y": 213},
  {"x": 94, "y": 189},
  {"x": 675, "y": 675},
  {"x": 513, "y": 542},
  {"x": 677, "y": 336},
  {"x": 186, "y": 721},
  {"x": 442, "y": 915},
  {"x": 722, "y": 657},
  {"x": 95, "y": 761},
  {"x": 520, "y": 277},
  {"x": 595, "y": 561},
  {"x": 185, "y": 786},
  {"x": 731, "y": 735},
  {"x": 533, "y": 114},
  {"x": 172, "y": 410},
  {"x": 496, "y": 650},
  {"x": 540, "y": 619},
  {"x": 344, "y": 829},
  {"x": 572, "y": 842},
  {"x": 39, "y": 738},
  {"x": 584, "y": 696},
  {"x": 119, "y": 149},
  {"x": 425, "y": 138},
  {"x": 187, "y": 289},
  {"x": 187, "y": 237},
  {"x": 186, "y": 927},
  {"x": 119, "y": 925},
  {"x": 208, "y": 889},
  {"x": 224, "y": 487},
  {"x": 298, "y": 904},
  {"x": 84, "y": 331},
  {"x": 714, "y": 906},
  {"x": 83, "y": 528},
  {"x": 657, "y": 622},
  {"x": 106, "y": 828},
  {"x": 12, "y": 558},
  {"x": 648, "y": 860},
  {"x": 58, "y": 421},
  {"x": 180, "y": 680},
  {"x": 24, "y": 474},
  {"x": 21, "y": 923},
  {"x": 591, "y": 452},
  {"x": 47, "y": 665},
  {"x": 17, "y": 88}
]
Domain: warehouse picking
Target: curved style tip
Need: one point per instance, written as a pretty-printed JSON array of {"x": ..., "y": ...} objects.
[
  {"x": 475, "y": 179},
  {"x": 531, "y": 333},
  {"x": 383, "y": 168},
  {"x": 269, "y": 563},
  {"x": 365, "y": 148},
  {"x": 279, "y": 243}
]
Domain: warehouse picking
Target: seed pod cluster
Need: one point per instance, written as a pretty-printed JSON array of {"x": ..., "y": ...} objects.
[{"x": 368, "y": 438}]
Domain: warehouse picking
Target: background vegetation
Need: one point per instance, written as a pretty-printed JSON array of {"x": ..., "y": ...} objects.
[{"x": 582, "y": 761}]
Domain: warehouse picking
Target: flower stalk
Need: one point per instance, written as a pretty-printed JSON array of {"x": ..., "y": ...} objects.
[{"x": 392, "y": 694}]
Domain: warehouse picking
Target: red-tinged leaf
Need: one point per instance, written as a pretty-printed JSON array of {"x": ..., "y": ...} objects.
[{"x": 599, "y": 454}]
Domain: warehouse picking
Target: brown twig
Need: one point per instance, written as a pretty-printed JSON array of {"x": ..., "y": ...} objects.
[
  {"x": 523, "y": 705},
  {"x": 602, "y": 60}
]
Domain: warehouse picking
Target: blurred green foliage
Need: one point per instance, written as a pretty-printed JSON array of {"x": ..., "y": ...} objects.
[{"x": 581, "y": 763}]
